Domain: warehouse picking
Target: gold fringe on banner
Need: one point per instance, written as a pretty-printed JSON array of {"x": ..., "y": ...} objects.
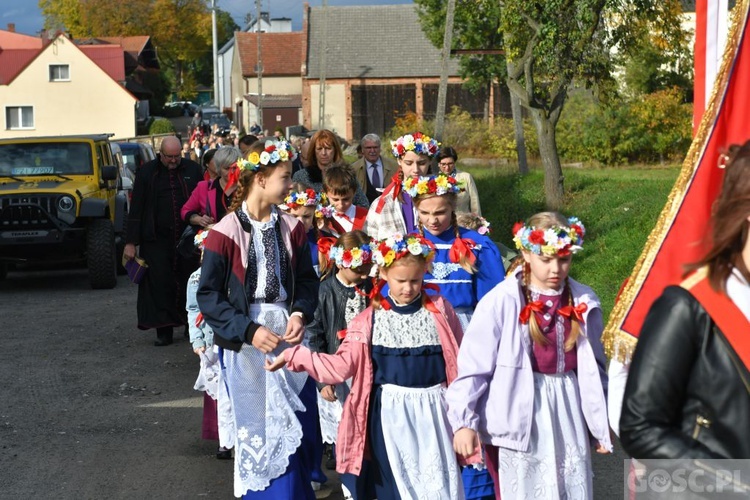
[{"x": 618, "y": 343}]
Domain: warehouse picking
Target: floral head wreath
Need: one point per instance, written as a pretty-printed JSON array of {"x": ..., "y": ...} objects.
[
  {"x": 417, "y": 142},
  {"x": 440, "y": 185},
  {"x": 389, "y": 250},
  {"x": 273, "y": 152},
  {"x": 200, "y": 238},
  {"x": 351, "y": 258},
  {"x": 306, "y": 198},
  {"x": 556, "y": 241}
]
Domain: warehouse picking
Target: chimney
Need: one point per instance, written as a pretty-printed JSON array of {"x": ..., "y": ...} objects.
[{"x": 12, "y": 27}]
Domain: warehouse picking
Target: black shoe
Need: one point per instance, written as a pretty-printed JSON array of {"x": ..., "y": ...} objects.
[
  {"x": 164, "y": 336},
  {"x": 224, "y": 453},
  {"x": 162, "y": 342}
]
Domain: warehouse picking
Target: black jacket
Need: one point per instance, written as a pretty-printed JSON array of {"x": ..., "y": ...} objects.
[
  {"x": 688, "y": 393},
  {"x": 329, "y": 315},
  {"x": 142, "y": 216}
]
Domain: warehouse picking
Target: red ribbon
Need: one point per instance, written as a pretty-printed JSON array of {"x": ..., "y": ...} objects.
[
  {"x": 233, "y": 177},
  {"x": 428, "y": 303},
  {"x": 462, "y": 247},
  {"x": 574, "y": 312},
  {"x": 375, "y": 293},
  {"x": 199, "y": 319},
  {"x": 325, "y": 243},
  {"x": 341, "y": 334},
  {"x": 394, "y": 187},
  {"x": 535, "y": 306}
]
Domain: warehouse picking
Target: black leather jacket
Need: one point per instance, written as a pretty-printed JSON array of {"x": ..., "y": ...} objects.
[
  {"x": 688, "y": 393},
  {"x": 329, "y": 315}
]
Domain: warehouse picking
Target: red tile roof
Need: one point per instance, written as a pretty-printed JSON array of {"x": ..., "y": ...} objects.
[
  {"x": 283, "y": 54},
  {"x": 110, "y": 58},
  {"x": 12, "y": 40},
  {"x": 13, "y": 61}
]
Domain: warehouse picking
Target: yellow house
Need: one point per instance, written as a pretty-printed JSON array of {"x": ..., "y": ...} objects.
[{"x": 60, "y": 90}]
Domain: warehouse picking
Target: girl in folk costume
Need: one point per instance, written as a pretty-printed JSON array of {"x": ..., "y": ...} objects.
[
  {"x": 393, "y": 211},
  {"x": 467, "y": 264},
  {"x": 202, "y": 342},
  {"x": 531, "y": 379},
  {"x": 342, "y": 216},
  {"x": 257, "y": 290},
  {"x": 342, "y": 297},
  {"x": 305, "y": 204},
  {"x": 400, "y": 353}
]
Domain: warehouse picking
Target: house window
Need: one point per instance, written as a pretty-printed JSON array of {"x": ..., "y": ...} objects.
[
  {"x": 19, "y": 117},
  {"x": 59, "y": 73}
]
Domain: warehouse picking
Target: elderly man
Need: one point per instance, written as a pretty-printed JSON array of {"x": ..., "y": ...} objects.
[
  {"x": 161, "y": 188},
  {"x": 373, "y": 171}
]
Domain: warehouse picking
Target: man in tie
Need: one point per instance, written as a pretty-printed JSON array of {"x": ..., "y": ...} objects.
[{"x": 373, "y": 171}]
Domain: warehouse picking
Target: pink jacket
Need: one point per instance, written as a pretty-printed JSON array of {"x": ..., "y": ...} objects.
[
  {"x": 203, "y": 195},
  {"x": 353, "y": 360}
]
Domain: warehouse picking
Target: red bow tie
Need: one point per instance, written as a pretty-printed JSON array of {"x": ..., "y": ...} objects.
[{"x": 535, "y": 306}]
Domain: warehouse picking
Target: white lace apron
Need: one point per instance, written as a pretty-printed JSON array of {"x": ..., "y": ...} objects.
[
  {"x": 330, "y": 412},
  {"x": 464, "y": 316},
  {"x": 263, "y": 404},
  {"x": 558, "y": 461},
  {"x": 419, "y": 443},
  {"x": 208, "y": 375}
]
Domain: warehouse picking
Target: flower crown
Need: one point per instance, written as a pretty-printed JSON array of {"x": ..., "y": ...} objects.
[
  {"x": 200, "y": 238},
  {"x": 556, "y": 241},
  {"x": 440, "y": 185},
  {"x": 484, "y": 226},
  {"x": 351, "y": 258},
  {"x": 306, "y": 198},
  {"x": 389, "y": 250},
  {"x": 417, "y": 142},
  {"x": 274, "y": 152}
]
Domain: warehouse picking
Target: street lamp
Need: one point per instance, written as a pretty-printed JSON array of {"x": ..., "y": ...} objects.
[{"x": 215, "y": 54}]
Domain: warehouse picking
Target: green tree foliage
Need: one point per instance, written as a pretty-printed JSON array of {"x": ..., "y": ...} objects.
[{"x": 550, "y": 45}]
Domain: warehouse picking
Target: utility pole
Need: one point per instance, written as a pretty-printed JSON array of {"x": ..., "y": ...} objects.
[
  {"x": 443, "y": 88},
  {"x": 259, "y": 69},
  {"x": 215, "y": 53},
  {"x": 322, "y": 82}
]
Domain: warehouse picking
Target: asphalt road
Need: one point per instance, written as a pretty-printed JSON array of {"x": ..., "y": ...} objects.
[{"x": 90, "y": 408}]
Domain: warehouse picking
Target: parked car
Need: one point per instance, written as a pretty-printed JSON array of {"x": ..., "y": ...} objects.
[
  {"x": 134, "y": 155},
  {"x": 221, "y": 122},
  {"x": 59, "y": 201},
  {"x": 177, "y": 108},
  {"x": 207, "y": 111}
]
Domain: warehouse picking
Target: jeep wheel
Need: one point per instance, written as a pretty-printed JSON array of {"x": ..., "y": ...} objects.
[{"x": 100, "y": 254}]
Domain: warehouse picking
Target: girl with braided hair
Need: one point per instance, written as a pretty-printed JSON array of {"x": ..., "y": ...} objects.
[
  {"x": 467, "y": 264},
  {"x": 257, "y": 291},
  {"x": 531, "y": 379}
]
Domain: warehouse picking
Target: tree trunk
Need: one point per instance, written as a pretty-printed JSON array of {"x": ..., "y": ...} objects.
[
  {"x": 515, "y": 107},
  {"x": 553, "y": 176}
]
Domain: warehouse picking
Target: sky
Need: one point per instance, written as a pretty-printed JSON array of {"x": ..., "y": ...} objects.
[{"x": 28, "y": 17}]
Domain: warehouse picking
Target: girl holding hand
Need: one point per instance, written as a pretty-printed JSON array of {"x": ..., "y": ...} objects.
[{"x": 531, "y": 381}]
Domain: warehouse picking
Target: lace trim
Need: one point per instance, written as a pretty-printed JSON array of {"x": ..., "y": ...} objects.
[
  {"x": 404, "y": 330},
  {"x": 539, "y": 291},
  {"x": 441, "y": 270}
]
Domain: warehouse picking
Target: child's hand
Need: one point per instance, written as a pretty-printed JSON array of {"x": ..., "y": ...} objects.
[
  {"x": 276, "y": 364},
  {"x": 602, "y": 450},
  {"x": 465, "y": 442},
  {"x": 199, "y": 350},
  {"x": 328, "y": 393},
  {"x": 295, "y": 330},
  {"x": 265, "y": 340}
]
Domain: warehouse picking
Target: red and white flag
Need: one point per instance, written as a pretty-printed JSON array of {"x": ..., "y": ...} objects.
[
  {"x": 680, "y": 235},
  {"x": 711, "y": 28}
]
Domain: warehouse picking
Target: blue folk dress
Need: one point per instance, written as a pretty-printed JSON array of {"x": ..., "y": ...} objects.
[{"x": 410, "y": 441}]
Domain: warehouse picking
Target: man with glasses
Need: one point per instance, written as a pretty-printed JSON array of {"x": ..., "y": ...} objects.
[
  {"x": 161, "y": 188},
  {"x": 372, "y": 170}
]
